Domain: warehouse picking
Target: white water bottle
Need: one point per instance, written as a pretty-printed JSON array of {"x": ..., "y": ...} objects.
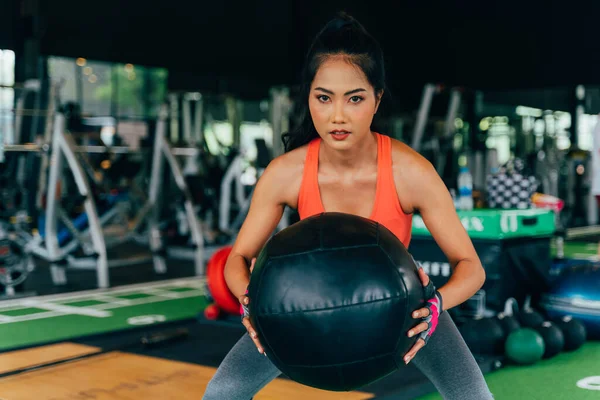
[{"x": 465, "y": 189}]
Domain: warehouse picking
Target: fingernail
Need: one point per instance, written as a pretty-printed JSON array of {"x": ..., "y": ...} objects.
[
  {"x": 246, "y": 300},
  {"x": 408, "y": 360},
  {"x": 260, "y": 350},
  {"x": 416, "y": 314},
  {"x": 410, "y": 333}
]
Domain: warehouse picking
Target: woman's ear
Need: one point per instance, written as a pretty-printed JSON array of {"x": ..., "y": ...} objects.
[{"x": 378, "y": 97}]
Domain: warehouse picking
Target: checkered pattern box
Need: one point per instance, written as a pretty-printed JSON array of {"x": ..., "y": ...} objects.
[{"x": 511, "y": 187}]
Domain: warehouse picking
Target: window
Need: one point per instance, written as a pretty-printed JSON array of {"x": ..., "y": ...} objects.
[
  {"x": 96, "y": 88},
  {"x": 125, "y": 91},
  {"x": 7, "y": 98},
  {"x": 63, "y": 71},
  {"x": 130, "y": 90}
]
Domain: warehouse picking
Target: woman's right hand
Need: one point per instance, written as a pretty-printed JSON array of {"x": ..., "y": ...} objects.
[{"x": 245, "y": 301}]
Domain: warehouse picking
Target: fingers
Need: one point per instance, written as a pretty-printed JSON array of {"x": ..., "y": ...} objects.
[
  {"x": 423, "y": 326},
  {"x": 252, "y": 264},
  {"x": 253, "y": 335},
  {"x": 412, "y": 352},
  {"x": 243, "y": 299},
  {"x": 421, "y": 313},
  {"x": 424, "y": 277}
]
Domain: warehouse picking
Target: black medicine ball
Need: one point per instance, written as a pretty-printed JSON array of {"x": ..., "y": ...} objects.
[
  {"x": 554, "y": 338},
  {"x": 331, "y": 299}
]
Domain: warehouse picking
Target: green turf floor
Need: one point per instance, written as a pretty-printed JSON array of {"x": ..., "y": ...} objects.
[
  {"x": 37, "y": 320},
  {"x": 554, "y": 379},
  {"x": 579, "y": 250}
]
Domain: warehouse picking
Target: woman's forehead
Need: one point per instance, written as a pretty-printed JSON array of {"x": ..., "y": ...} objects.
[{"x": 339, "y": 74}]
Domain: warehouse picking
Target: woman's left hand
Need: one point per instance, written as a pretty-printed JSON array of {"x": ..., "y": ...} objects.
[{"x": 429, "y": 314}]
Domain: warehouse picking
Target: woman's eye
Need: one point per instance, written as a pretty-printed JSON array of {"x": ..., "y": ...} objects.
[
  {"x": 355, "y": 99},
  {"x": 323, "y": 98}
]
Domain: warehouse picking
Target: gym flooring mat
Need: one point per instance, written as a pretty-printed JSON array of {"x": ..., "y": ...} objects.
[
  {"x": 119, "y": 375},
  {"x": 111, "y": 319},
  {"x": 568, "y": 376},
  {"x": 175, "y": 370},
  {"x": 579, "y": 250},
  {"x": 31, "y": 321}
]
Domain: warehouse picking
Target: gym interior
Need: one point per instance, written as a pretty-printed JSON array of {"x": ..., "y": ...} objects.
[{"x": 133, "y": 135}]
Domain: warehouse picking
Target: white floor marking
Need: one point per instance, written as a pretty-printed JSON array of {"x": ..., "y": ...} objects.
[
  {"x": 87, "y": 311},
  {"x": 58, "y": 305},
  {"x": 192, "y": 282}
]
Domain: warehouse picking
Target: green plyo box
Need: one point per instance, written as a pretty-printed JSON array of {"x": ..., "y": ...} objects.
[{"x": 499, "y": 224}]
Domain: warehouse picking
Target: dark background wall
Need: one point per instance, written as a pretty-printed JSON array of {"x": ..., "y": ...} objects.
[{"x": 247, "y": 46}]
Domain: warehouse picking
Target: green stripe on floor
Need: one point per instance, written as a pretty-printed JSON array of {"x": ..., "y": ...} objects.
[
  {"x": 578, "y": 250},
  {"x": 560, "y": 378},
  {"x": 85, "y": 303},
  {"x": 36, "y": 320},
  {"x": 22, "y": 312}
]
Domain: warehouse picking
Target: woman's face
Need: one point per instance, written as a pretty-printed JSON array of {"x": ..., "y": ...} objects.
[{"x": 342, "y": 103}]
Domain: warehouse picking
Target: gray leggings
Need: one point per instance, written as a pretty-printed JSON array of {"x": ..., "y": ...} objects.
[{"x": 446, "y": 361}]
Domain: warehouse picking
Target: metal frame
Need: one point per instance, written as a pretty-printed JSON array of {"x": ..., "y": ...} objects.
[
  {"x": 232, "y": 176},
  {"x": 281, "y": 107},
  {"x": 163, "y": 152},
  {"x": 63, "y": 148},
  {"x": 449, "y": 128},
  {"x": 63, "y": 144},
  {"x": 422, "y": 115},
  {"x": 192, "y": 134}
]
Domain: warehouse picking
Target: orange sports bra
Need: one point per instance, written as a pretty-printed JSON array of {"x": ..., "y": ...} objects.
[{"x": 386, "y": 211}]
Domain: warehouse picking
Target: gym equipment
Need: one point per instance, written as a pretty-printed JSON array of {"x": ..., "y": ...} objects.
[
  {"x": 15, "y": 262},
  {"x": 57, "y": 246},
  {"x": 281, "y": 109},
  {"x": 573, "y": 331},
  {"x": 513, "y": 245},
  {"x": 164, "y": 152},
  {"x": 484, "y": 336},
  {"x": 529, "y": 318},
  {"x": 242, "y": 199},
  {"x": 576, "y": 292},
  {"x": 331, "y": 298},
  {"x": 554, "y": 340},
  {"x": 212, "y": 312},
  {"x": 223, "y": 299},
  {"x": 437, "y": 148},
  {"x": 47, "y": 245},
  {"x": 508, "y": 321},
  {"x": 525, "y": 346},
  {"x": 474, "y": 307},
  {"x": 202, "y": 171},
  {"x": 575, "y": 185}
]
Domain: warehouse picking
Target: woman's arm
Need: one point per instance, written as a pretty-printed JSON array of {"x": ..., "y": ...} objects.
[
  {"x": 429, "y": 196},
  {"x": 266, "y": 208}
]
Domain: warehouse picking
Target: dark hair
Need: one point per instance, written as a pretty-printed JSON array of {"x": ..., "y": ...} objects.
[{"x": 344, "y": 36}]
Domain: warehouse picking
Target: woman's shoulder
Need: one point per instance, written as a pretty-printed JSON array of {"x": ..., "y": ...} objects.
[
  {"x": 291, "y": 160},
  {"x": 285, "y": 167},
  {"x": 403, "y": 151},
  {"x": 407, "y": 161},
  {"x": 283, "y": 176}
]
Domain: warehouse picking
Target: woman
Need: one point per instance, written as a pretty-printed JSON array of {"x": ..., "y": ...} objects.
[{"x": 334, "y": 162}]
